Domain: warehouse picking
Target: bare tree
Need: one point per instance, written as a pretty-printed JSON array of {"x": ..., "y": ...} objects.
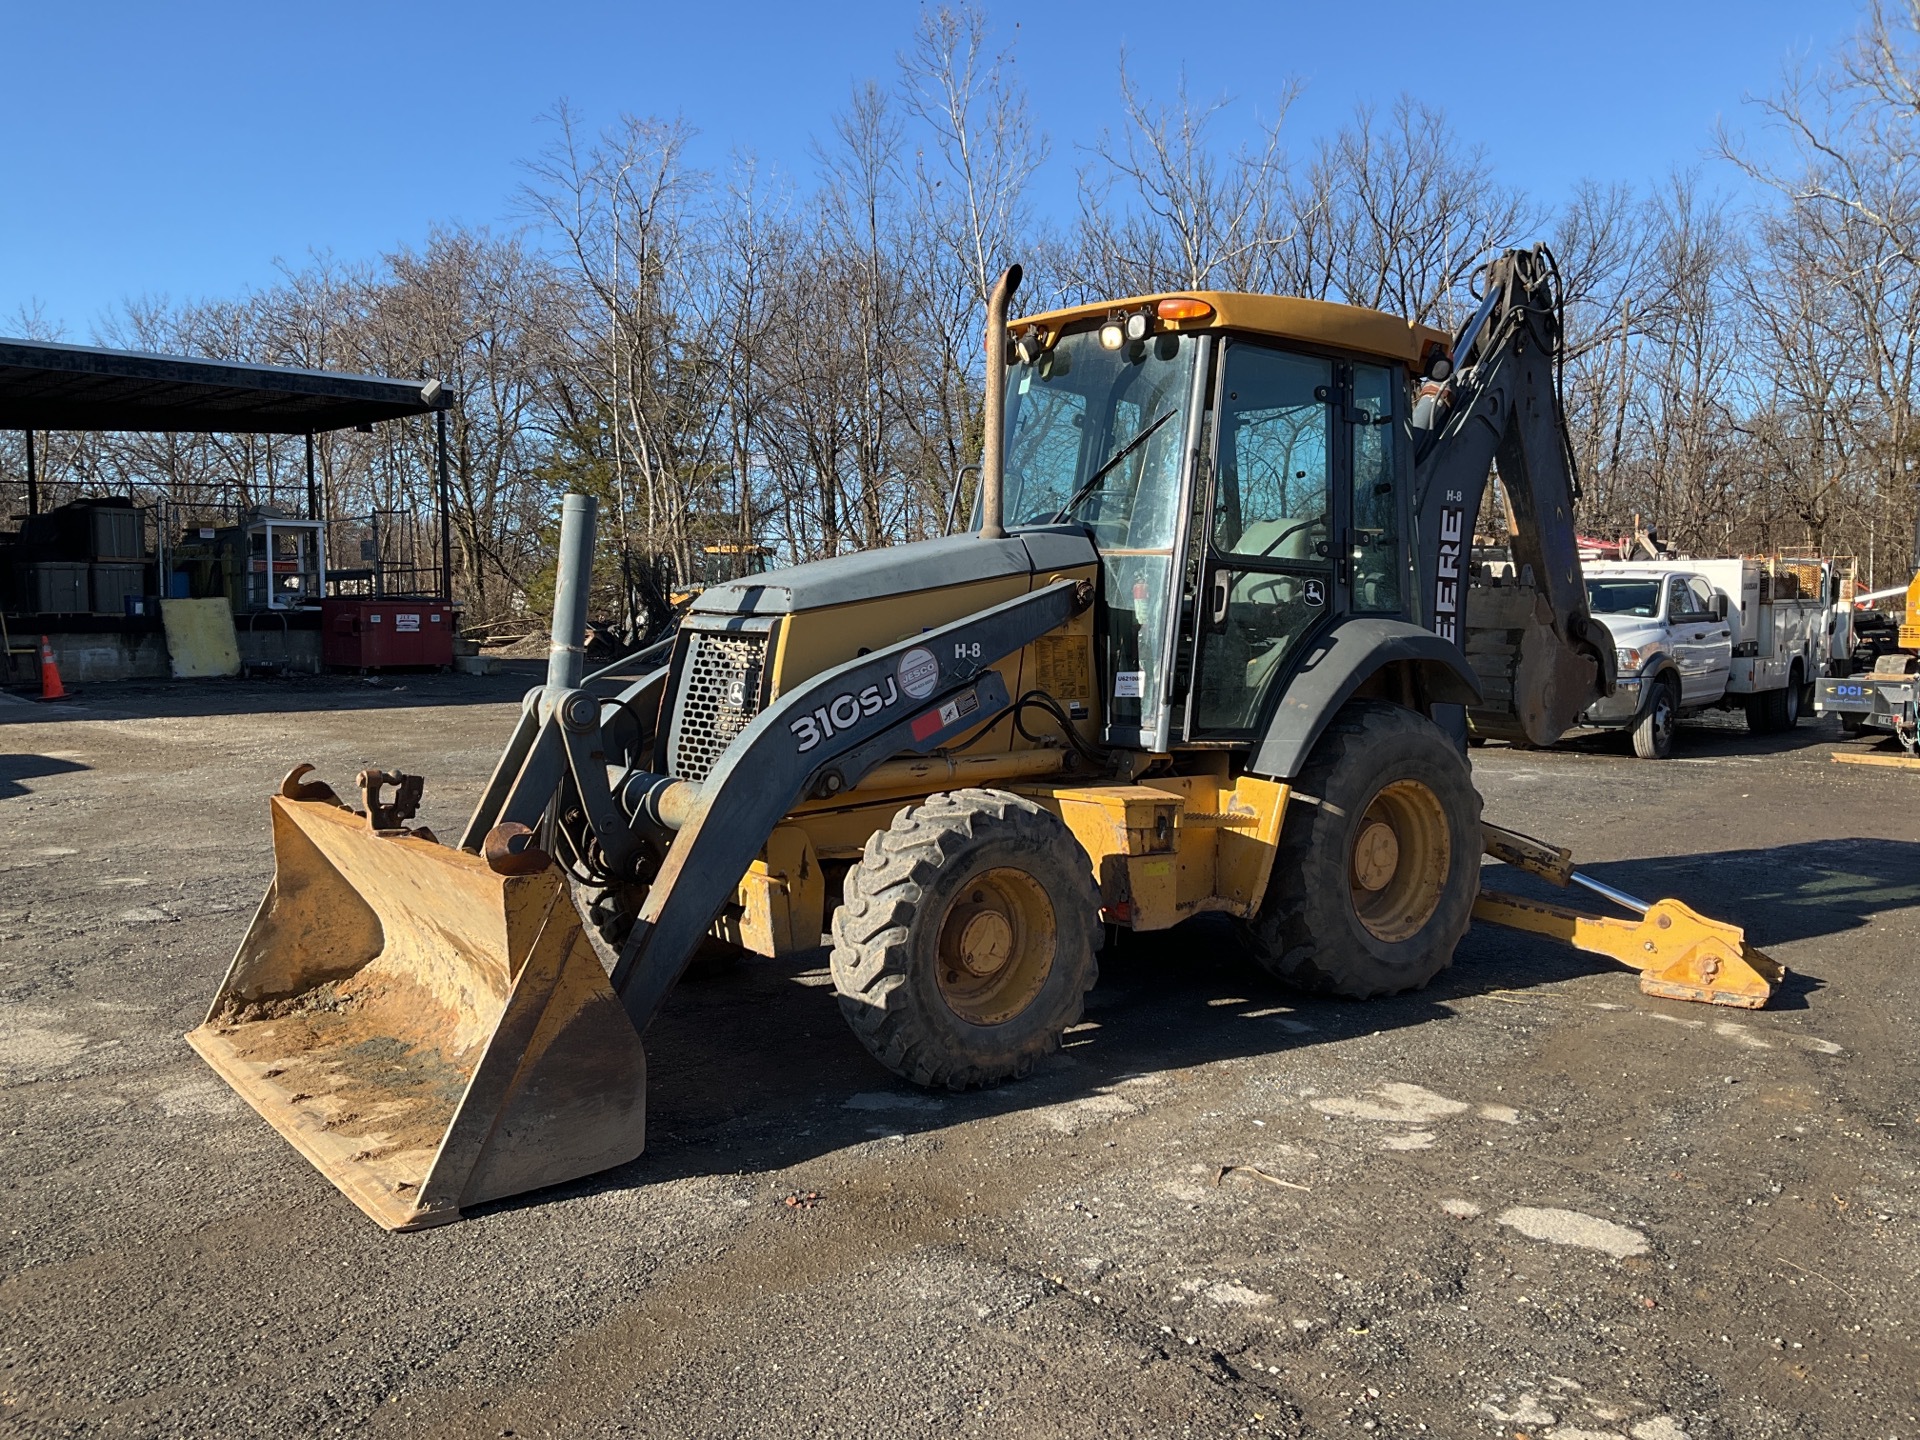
[{"x": 1160, "y": 208}]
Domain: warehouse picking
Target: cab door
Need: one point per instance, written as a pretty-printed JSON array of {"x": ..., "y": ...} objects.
[
  {"x": 1714, "y": 637},
  {"x": 1268, "y": 569}
]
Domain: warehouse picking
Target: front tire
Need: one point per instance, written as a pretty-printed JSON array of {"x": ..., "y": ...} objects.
[
  {"x": 1378, "y": 863},
  {"x": 1653, "y": 731},
  {"x": 964, "y": 947}
]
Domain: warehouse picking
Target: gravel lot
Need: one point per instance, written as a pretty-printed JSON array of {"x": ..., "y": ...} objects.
[{"x": 1526, "y": 1201}]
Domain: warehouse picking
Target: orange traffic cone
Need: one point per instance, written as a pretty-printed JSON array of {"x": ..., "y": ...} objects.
[{"x": 50, "y": 686}]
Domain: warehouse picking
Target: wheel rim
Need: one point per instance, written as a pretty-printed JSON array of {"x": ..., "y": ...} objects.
[
  {"x": 1663, "y": 717},
  {"x": 996, "y": 946},
  {"x": 1397, "y": 871}
]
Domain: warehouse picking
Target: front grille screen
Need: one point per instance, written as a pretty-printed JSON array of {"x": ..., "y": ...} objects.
[{"x": 720, "y": 692}]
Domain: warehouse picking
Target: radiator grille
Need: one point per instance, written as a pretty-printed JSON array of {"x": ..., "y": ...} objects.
[{"x": 720, "y": 692}]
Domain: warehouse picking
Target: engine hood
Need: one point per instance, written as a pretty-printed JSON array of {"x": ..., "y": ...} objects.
[
  {"x": 1633, "y": 632},
  {"x": 898, "y": 570}
]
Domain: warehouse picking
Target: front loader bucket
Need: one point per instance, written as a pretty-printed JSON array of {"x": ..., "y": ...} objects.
[{"x": 427, "y": 1032}]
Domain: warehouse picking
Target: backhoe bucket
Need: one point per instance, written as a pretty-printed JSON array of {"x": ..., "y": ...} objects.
[
  {"x": 429, "y": 1033},
  {"x": 1533, "y": 685}
]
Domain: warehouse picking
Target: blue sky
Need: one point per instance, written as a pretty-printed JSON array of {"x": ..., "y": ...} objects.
[{"x": 180, "y": 149}]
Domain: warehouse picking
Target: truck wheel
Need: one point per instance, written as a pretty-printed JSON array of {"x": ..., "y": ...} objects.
[
  {"x": 1772, "y": 711},
  {"x": 1374, "y": 877},
  {"x": 964, "y": 945},
  {"x": 1797, "y": 699},
  {"x": 1653, "y": 731}
]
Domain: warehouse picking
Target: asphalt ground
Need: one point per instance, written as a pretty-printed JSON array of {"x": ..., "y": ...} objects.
[{"x": 1528, "y": 1200}]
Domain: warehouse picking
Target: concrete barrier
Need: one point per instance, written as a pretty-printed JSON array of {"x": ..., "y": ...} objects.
[{"x": 93, "y": 659}]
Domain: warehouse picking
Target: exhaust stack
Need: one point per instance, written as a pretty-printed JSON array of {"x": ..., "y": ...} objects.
[{"x": 993, "y": 498}]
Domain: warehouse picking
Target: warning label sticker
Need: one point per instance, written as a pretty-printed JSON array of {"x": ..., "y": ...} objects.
[
  {"x": 1063, "y": 667},
  {"x": 406, "y": 622}
]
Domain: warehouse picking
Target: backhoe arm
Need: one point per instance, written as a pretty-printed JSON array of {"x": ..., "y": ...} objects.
[{"x": 1540, "y": 657}]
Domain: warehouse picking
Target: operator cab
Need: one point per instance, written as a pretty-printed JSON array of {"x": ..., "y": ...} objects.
[{"x": 1263, "y": 480}]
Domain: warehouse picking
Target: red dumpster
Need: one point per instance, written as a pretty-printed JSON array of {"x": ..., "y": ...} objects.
[{"x": 362, "y": 634}]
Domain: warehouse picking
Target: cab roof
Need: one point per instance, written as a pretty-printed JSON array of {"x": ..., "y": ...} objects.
[{"x": 1284, "y": 317}]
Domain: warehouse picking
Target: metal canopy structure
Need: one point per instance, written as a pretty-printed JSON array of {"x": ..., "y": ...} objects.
[
  {"x": 48, "y": 386},
  {"x": 44, "y": 386}
]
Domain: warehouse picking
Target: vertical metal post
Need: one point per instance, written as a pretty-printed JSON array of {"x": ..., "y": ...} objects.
[
  {"x": 446, "y": 524},
  {"x": 313, "y": 490},
  {"x": 33, "y": 480},
  {"x": 573, "y": 578}
]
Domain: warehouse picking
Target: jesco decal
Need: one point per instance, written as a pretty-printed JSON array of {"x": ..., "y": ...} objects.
[{"x": 919, "y": 672}]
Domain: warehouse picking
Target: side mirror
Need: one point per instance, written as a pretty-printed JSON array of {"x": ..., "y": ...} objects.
[{"x": 1720, "y": 606}]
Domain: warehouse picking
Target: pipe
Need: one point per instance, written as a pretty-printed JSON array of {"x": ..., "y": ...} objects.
[
  {"x": 566, "y": 659},
  {"x": 933, "y": 771},
  {"x": 1601, "y": 888},
  {"x": 993, "y": 499}
]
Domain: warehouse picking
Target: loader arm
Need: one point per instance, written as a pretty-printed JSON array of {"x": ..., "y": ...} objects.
[
  {"x": 1540, "y": 656},
  {"x": 929, "y": 690}
]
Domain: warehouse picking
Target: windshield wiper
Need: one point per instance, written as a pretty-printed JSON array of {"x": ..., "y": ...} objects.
[{"x": 1092, "y": 482}]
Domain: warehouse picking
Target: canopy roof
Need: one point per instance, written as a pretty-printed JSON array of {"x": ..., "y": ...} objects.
[{"x": 44, "y": 386}]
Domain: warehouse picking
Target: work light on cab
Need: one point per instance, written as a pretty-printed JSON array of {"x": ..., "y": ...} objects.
[{"x": 1183, "y": 307}]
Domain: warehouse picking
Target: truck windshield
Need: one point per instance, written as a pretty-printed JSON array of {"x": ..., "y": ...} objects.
[
  {"x": 1094, "y": 436},
  {"x": 1623, "y": 597}
]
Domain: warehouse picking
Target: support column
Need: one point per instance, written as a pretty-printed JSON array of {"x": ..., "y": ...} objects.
[
  {"x": 446, "y": 523},
  {"x": 313, "y": 490}
]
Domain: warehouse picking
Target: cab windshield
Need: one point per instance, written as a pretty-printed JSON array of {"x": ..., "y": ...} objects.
[
  {"x": 1624, "y": 597},
  {"x": 1095, "y": 436}
]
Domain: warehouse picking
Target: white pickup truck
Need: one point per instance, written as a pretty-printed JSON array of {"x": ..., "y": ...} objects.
[{"x": 1695, "y": 635}]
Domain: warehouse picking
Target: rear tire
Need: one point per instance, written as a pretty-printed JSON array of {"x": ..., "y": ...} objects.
[
  {"x": 1653, "y": 731},
  {"x": 1773, "y": 711},
  {"x": 964, "y": 946},
  {"x": 1373, "y": 886}
]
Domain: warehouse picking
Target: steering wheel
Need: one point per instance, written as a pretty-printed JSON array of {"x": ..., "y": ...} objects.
[{"x": 1292, "y": 530}]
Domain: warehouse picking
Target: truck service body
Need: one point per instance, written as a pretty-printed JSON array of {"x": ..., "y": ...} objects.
[{"x": 1704, "y": 634}]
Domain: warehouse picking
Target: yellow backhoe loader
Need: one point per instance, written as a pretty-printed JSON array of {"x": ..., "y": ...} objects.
[{"x": 1211, "y": 646}]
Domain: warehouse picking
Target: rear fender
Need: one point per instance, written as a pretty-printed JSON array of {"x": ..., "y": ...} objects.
[{"x": 1410, "y": 665}]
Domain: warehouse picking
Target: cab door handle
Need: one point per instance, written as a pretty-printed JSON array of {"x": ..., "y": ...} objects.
[{"x": 1221, "y": 592}]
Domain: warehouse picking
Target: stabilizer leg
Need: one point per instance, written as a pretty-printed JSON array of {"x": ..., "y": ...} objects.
[{"x": 1680, "y": 954}]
